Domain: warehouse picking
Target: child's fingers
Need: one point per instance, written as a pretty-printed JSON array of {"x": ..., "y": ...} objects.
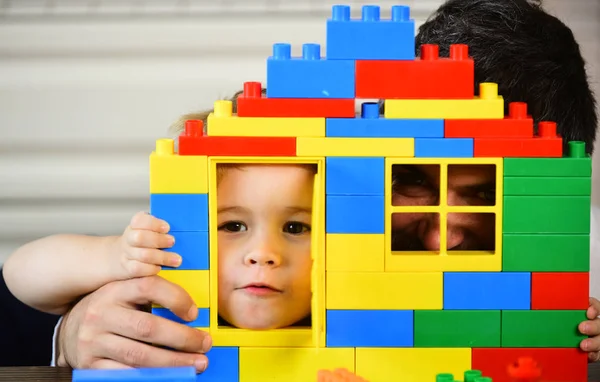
[
  {"x": 144, "y": 221},
  {"x": 138, "y": 269},
  {"x": 148, "y": 239},
  {"x": 154, "y": 256}
]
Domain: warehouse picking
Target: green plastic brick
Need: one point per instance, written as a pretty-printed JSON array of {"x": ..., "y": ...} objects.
[
  {"x": 542, "y": 328},
  {"x": 547, "y": 214},
  {"x": 457, "y": 328},
  {"x": 548, "y": 186},
  {"x": 545, "y": 253},
  {"x": 552, "y": 167}
]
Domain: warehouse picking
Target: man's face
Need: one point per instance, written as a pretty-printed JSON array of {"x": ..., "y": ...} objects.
[{"x": 419, "y": 185}]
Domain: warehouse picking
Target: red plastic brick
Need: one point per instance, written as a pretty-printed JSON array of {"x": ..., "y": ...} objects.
[
  {"x": 560, "y": 290},
  {"x": 517, "y": 124},
  {"x": 252, "y": 104},
  {"x": 193, "y": 142},
  {"x": 546, "y": 144},
  {"x": 427, "y": 77},
  {"x": 525, "y": 369},
  {"x": 557, "y": 364}
]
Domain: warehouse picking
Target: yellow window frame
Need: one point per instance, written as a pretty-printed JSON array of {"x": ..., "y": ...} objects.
[
  {"x": 289, "y": 337},
  {"x": 468, "y": 261}
]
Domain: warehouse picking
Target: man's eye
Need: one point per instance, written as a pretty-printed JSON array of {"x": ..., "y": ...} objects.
[
  {"x": 233, "y": 227},
  {"x": 412, "y": 185},
  {"x": 487, "y": 195},
  {"x": 295, "y": 228}
]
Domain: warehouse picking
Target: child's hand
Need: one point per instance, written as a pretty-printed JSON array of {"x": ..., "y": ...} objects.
[
  {"x": 592, "y": 329},
  {"x": 139, "y": 248},
  {"x": 338, "y": 375}
]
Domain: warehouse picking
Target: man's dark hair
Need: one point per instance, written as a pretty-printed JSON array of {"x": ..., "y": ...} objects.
[{"x": 531, "y": 54}]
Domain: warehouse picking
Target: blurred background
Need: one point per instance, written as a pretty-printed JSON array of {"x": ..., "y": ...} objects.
[{"x": 87, "y": 86}]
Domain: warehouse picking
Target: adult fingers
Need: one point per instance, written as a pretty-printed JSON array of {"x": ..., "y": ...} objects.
[
  {"x": 594, "y": 309},
  {"x": 594, "y": 356},
  {"x": 157, "y": 330},
  {"x": 590, "y": 327},
  {"x": 145, "y": 221},
  {"x": 590, "y": 344},
  {"x": 136, "y": 354},
  {"x": 108, "y": 364}
]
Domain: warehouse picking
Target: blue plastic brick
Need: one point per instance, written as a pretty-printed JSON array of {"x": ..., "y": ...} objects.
[
  {"x": 355, "y": 176},
  {"x": 183, "y": 212},
  {"x": 444, "y": 147},
  {"x": 487, "y": 290},
  {"x": 370, "y": 328},
  {"x": 202, "y": 321},
  {"x": 309, "y": 76},
  {"x": 370, "y": 38},
  {"x": 370, "y": 125},
  {"x": 166, "y": 374},
  {"x": 193, "y": 247},
  {"x": 223, "y": 365},
  {"x": 354, "y": 214}
]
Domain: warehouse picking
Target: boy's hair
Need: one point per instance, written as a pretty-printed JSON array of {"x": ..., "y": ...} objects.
[{"x": 532, "y": 56}]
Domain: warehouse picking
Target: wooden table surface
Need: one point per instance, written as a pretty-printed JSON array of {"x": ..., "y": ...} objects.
[{"x": 57, "y": 374}]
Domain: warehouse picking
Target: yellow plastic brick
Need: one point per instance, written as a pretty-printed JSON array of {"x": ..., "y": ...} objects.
[
  {"x": 196, "y": 283},
  {"x": 411, "y": 364},
  {"x": 291, "y": 365},
  {"x": 223, "y": 123},
  {"x": 384, "y": 290},
  {"x": 355, "y": 147},
  {"x": 355, "y": 252},
  {"x": 171, "y": 173},
  {"x": 488, "y": 105}
]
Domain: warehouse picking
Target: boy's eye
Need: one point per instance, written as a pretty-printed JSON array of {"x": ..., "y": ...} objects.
[
  {"x": 295, "y": 228},
  {"x": 233, "y": 227}
]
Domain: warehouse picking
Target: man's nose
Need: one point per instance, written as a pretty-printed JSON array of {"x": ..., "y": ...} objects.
[
  {"x": 431, "y": 233},
  {"x": 265, "y": 252}
]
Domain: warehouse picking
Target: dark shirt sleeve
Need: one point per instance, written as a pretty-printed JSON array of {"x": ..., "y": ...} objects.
[{"x": 25, "y": 333}]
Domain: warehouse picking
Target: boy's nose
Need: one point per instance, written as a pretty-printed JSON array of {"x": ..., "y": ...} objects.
[{"x": 263, "y": 256}]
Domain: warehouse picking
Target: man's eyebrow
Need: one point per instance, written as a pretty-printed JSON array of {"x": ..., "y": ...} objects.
[{"x": 478, "y": 186}]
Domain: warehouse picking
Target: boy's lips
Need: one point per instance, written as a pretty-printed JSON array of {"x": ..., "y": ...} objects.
[{"x": 260, "y": 289}]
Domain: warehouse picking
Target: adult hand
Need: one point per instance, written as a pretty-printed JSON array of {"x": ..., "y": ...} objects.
[
  {"x": 106, "y": 329},
  {"x": 592, "y": 329}
]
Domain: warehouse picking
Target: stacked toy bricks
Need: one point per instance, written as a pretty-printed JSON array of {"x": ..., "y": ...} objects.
[{"x": 386, "y": 315}]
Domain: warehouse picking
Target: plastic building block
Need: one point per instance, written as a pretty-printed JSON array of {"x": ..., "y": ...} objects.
[
  {"x": 576, "y": 164},
  {"x": 223, "y": 365},
  {"x": 193, "y": 249},
  {"x": 338, "y": 375},
  {"x": 223, "y": 123},
  {"x": 560, "y": 290},
  {"x": 370, "y": 38},
  {"x": 354, "y": 214},
  {"x": 193, "y": 142},
  {"x": 309, "y": 76},
  {"x": 547, "y": 186},
  {"x": 372, "y": 290},
  {"x": 547, "y": 214},
  {"x": 559, "y": 364},
  {"x": 517, "y": 124},
  {"x": 272, "y": 364},
  {"x": 525, "y": 369},
  {"x": 443, "y": 147},
  {"x": 370, "y": 125},
  {"x": 183, "y": 212},
  {"x": 426, "y": 77},
  {"x": 194, "y": 282},
  {"x": 355, "y": 252},
  {"x": 355, "y": 176},
  {"x": 202, "y": 321},
  {"x": 386, "y": 328},
  {"x": 166, "y": 374},
  {"x": 546, "y": 253},
  {"x": 252, "y": 104},
  {"x": 469, "y": 376},
  {"x": 174, "y": 174},
  {"x": 487, "y": 290},
  {"x": 355, "y": 147},
  {"x": 487, "y": 105},
  {"x": 547, "y": 144},
  {"x": 542, "y": 328},
  {"x": 410, "y": 364},
  {"x": 457, "y": 328}
]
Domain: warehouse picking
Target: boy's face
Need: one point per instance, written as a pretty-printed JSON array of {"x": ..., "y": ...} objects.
[
  {"x": 419, "y": 185},
  {"x": 264, "y": 245}
]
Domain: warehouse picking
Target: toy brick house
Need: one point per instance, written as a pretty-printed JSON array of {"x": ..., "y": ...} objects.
[{"x": 386, "y": 314}]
